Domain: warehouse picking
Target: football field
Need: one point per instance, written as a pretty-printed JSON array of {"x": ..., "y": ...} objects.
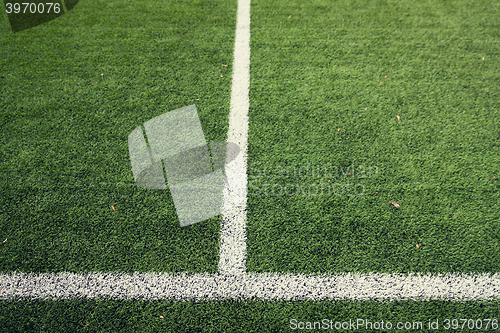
[{"x": 367, "y": 181}]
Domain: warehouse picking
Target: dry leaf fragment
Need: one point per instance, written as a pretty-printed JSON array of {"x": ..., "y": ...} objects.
[
  {"x": 289, "y": 16},
  {"x": 224, "y": 65},
  {"x": 366, "y": 109},
  {"x": 221, "y": 75},
  {"x": 197, "y": 99},
  {"x": 350, "y": 173},
  {"x": 338, "y": 130},
  {"x": 102, "y": 74},
  {"x": 483, "y": 59},
  {"x": 5, "y": 241},
  {"x": 398, "y": 118},
  {"x": 161, "y": 317},
  {"x": 417, "y": 246},
  {"x": 113, "y": 207},
  {"x": 394, "y": 204}
]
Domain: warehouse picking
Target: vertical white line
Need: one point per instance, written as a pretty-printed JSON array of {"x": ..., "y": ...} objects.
[{"x": 232, "y": 251}]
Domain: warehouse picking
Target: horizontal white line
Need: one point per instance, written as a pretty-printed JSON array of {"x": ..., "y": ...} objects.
[
  {"x": 270, "y": 286},
  {"x": 232, "y": 282}
]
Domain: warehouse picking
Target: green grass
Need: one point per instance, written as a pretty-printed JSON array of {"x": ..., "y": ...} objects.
[
  {"x": 64, "y": 156},
  {"x": 65, "y": 128},
  {"x": 328, "y": 82},
  {"x": 226, "y": 316}
]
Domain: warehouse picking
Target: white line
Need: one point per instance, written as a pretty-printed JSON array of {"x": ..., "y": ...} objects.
[
  {"x": 185, "y": 287},
  {"x": 232, "y": 282},
  {"x": 232, "y": 248}
]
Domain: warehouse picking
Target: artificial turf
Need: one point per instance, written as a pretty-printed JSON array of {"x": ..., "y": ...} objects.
[
  {"x": 74, "y": 89},
  {"x": 408, "y": 91},
  {"x": 316, "y": 67},
  {"x": 232, "y": 316}
]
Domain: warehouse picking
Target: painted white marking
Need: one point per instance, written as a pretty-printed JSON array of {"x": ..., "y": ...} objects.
[
  {"x": 186, "y": 287},
  {"x": 232, "y": 248},
  {"x": 232, "y": 282}
]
